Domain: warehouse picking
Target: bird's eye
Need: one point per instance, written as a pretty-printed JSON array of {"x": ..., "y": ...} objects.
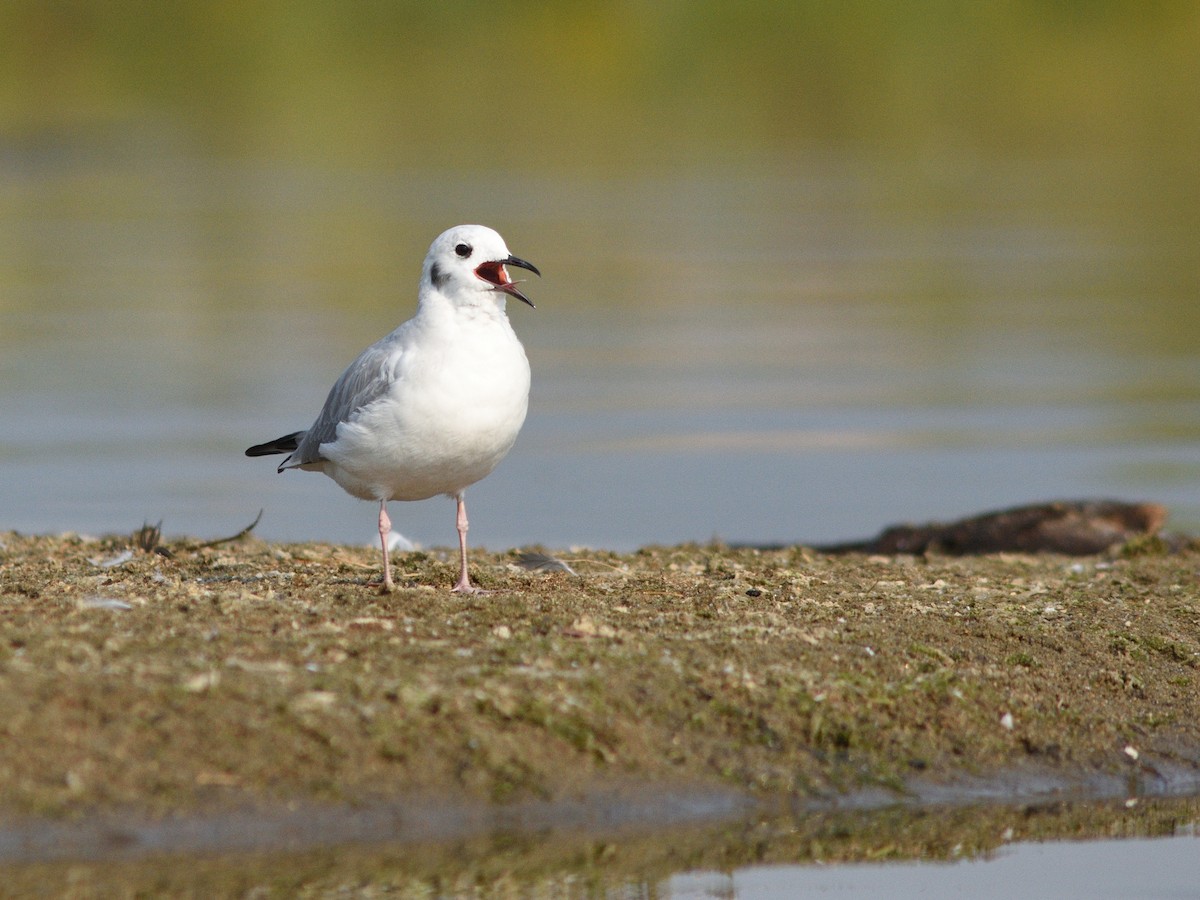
[{"x": 463, "y": 250}]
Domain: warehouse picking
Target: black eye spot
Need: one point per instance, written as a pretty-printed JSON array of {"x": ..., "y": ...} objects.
[{"x": 463, "y": 250}]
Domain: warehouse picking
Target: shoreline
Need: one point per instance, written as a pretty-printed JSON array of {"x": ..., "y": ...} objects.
[
  {"x": 252, "y": 676},
  {"x": 627, "y": 812}
]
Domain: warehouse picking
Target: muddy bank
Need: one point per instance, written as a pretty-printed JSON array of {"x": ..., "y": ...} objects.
[{"x": 244, "y": 675}]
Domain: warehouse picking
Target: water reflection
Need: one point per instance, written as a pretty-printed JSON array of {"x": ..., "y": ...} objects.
[
  {"x": 764, "y": 358},
  {"x": 1074, "y": 870},
  {"x": 1037, "y": 850}
]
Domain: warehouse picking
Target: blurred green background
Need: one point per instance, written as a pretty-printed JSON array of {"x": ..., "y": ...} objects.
[
  {"x": 810, "y": 267},
  {"x": 605, "y": 86}
]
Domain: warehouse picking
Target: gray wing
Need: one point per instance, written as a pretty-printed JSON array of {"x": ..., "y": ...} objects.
[{"x": 364, "y": 381}]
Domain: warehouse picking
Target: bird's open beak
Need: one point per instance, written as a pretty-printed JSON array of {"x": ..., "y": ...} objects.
[{"x": 496, "y": 275}]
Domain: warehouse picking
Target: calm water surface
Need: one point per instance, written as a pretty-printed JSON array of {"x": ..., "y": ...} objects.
[
  {"x": 801, "y": 353},
  {"x": 972, "y": 857},
  {"x": 1080, "y": 870}
]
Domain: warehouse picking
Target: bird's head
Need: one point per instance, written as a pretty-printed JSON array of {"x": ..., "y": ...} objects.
[{"x": 469, "y": 259}]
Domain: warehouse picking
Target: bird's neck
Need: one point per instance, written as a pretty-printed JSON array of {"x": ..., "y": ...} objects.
[{"x": 482, "y": 304}]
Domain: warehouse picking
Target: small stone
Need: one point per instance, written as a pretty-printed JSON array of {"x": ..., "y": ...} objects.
[
  {"x": 586, "y": 627},
  {"x": 202, "y": 681}
]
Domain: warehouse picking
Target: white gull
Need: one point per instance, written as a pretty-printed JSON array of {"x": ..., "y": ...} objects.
[{"x": 433, "y": 407}]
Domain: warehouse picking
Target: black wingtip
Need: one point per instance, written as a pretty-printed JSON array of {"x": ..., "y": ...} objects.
[{"x": 285, "y": 444}]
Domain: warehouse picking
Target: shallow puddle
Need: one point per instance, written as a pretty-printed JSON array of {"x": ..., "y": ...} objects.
[
  {"x": 620, "y": 847},
  {"x": 1063, "y": 870}
]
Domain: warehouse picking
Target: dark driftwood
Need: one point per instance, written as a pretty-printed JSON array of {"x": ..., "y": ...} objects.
[{"x": 1073, "y": 527}]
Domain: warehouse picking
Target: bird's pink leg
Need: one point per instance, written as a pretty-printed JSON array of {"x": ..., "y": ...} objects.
[
  {"x": 464, "y": 585},
  {"x": 385, "y": 529}
]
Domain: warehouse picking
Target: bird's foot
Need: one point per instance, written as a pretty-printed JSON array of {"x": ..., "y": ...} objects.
[
  {"x": 465, "y": 587},
  {"x": 386, "y": 586}
]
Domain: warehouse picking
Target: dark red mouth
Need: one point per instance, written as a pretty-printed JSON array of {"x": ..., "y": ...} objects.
[{"x": 496, "y": 275}]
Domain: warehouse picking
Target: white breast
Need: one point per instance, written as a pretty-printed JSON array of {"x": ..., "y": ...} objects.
[{"x": 453, "y": 411}]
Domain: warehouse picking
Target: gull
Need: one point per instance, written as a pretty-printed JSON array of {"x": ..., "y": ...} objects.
[{"x": 433, "y": 407}]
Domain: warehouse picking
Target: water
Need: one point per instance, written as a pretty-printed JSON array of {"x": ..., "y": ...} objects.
[
  {"x": 1079, "y": 870},
  {"x": 803, "y": 356},
  {"x": 1036, "y": 851}
]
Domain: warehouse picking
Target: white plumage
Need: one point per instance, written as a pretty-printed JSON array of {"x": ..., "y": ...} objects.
[{"x": 433, "y": 407}]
